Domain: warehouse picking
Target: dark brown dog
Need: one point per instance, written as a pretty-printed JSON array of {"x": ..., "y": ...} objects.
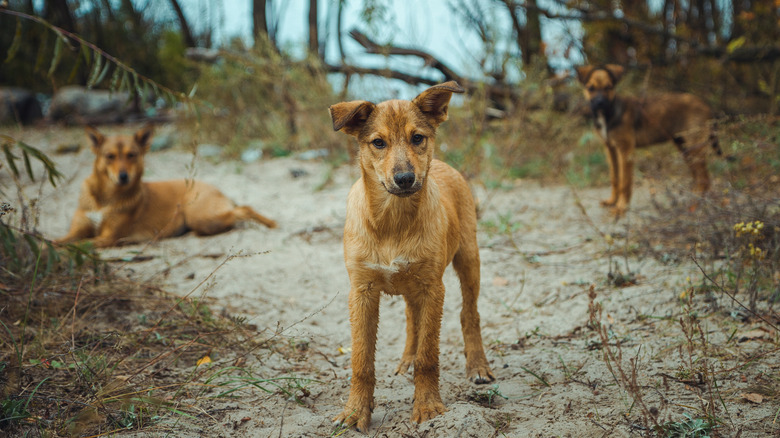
[
  {"x": 626, "y": 123},
  {"x": 408, "y": 217}
]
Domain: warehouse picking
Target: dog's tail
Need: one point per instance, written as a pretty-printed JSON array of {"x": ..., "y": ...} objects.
[
  {"x": 679, "y": 141},
  {"x": 713, "y": 139}
]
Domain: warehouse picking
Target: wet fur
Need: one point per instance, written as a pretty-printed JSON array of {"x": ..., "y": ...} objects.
[
  {"x": 117, "y": 207},
  {"x": 625, "y": 123},
  {"x": 408, "y": 217}
]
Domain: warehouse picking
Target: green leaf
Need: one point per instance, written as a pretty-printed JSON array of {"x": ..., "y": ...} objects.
[
  {"x": 57, "y": 54},
  {"x": 15, "y": 43},
  {"x": 735, "y": 44},
  {"x": 27, "y": 164},
  {"x": 11, "y": 159},
  {"x": 115, "y": 80},
  {"x": 96, "y": 70},
  {"x": 74, "y": 71},
  {"x": 33, "y": 244},
  {"x": 103, "y": 74},
  {"x": 87, "y": 53}
]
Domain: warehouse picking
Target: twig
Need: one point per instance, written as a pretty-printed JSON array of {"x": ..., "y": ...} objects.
[{"x": 730, "y": 295}]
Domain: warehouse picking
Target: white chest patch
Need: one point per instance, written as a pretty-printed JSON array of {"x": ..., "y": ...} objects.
[
  {"x": 387, "y": 271},
  {"x": 96, "y": 217},
  {"x": 601, "y": 122}
]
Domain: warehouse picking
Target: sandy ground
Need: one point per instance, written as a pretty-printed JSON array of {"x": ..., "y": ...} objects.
[{"x": 540, "y": 253}]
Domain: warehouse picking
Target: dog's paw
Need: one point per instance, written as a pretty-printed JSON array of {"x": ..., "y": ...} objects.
[
  {"x": 359, "y": 417},
  {"x": 424, "y": 411},
  {"x": 608, "y": 202},
  {"x": 618, "y": 211},
  {"x": 480, "y": 374},
  {"x": 403, "y": 367}
]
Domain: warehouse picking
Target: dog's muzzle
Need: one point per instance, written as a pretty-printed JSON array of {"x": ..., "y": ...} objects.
[
  {"x": 405, "y": 184},
  {"x": 123, "y": 178},
  {"x": 599, "y": 104}
]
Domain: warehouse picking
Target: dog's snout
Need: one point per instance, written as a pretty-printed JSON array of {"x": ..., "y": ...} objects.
[
  {"x": 599, "y": 102},
  {"x": 124, "y": 178},
  {"x": 404, "y": 180}
]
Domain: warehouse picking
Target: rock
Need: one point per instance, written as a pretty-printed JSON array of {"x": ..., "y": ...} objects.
[
  {"x": 18, "y": 105},
  {"x": 209, "y": 150},
  {"x": 161, "y": 142},
  {"x": 79, "y": 105},
  {"x": 313, "y": 154},
  {"x": 251, "y": 155}
]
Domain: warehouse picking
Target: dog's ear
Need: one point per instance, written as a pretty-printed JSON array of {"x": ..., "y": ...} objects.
[
  {"x": 350, "y": 117},
  {"x": 583, "y": 72},
  {"x": 615, "y": 70},
  {"x": 142, "y": 137},
  {"x": 435, "y": 101},
  {"x": 95, "y": 138}
]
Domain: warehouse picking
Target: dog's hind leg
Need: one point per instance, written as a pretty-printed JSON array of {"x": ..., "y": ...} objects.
[
  {"x": 246, "y": 213},
  {"x": 225, "y": 219},
  {"x": 695, "y": 158},
  {"x": 466, "y": 264}
]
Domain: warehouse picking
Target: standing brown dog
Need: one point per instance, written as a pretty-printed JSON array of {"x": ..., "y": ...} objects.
[
  {"x": 408, "y": 217},
  {"x": 116, "y": 207},
  {"x": 626, "y": 123}
]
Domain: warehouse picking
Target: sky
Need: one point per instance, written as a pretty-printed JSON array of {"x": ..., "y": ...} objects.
[{"x": 429, "y": 25}]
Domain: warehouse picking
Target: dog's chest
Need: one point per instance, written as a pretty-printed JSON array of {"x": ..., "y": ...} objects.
[
  {"x": 601, "y": 125},
  {"x": 396, "y": 270},
  {"x": 96, "y": 217}
]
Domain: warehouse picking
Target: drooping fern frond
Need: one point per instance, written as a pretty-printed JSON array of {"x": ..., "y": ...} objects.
[
  {"x": 100, "y": 63},
  {"x": 10, "y": 145}
]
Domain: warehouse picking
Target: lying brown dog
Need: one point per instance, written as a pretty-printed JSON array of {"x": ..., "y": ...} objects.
[
  {"x": 626, "y": 123},
  {"x": 116, "y": 207},
  {"x": 408, "y": 217}
]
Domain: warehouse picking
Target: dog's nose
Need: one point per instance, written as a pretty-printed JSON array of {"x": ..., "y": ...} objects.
[
  {"x": 598, "y": 102},
  {"x": 404, "y": 180},
  {"x": 123, "y": 177}
]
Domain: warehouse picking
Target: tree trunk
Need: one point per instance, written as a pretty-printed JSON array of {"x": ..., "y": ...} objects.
[
  {"x": 185, "y": 27},
  {"x": 314, "y": 41},
  {"x": 259, "y": 20}
]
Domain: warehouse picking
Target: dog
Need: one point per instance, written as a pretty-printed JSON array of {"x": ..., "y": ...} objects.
[
  {"x": 115, "y": 207},
  {"x": 626, "y": 123},
  {"x": 408, "y": 217}
]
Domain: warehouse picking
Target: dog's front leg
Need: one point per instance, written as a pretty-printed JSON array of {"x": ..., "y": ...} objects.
[
  {"x": 364, "y": 319},
  {"x": 427, "y": 400},
  {"x": 611, "y": 153},
  {"x": 410, "y": 350}
]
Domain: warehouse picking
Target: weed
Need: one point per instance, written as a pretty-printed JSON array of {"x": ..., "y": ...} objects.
[
  {"x": 487, "y": 397},
  {"x": 688, "y": 428}
]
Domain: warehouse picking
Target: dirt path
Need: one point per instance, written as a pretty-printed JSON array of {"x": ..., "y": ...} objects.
[{"x": 539, "y": 252}]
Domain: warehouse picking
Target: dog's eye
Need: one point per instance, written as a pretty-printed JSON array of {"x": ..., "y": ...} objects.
[
  {"x": 131, "y": 156},
  {"x": 417, "y": 138},
  {"x": 378, "y": 143},
  {"x": 591, "y": 88},
  {"x": 110, "y": 157}
]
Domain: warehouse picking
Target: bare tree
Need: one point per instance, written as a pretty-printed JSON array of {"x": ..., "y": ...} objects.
[
  {"x": 314, "y": 38},
  {"x": 185, "y": 27}
]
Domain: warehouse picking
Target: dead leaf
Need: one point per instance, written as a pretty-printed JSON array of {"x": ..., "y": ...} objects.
[
  {"x": 500, "y": 281},
  {"x": 753, "y": 397},
  {"x": 203, "y": 360}
]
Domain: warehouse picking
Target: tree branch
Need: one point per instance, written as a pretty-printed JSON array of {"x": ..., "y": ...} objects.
[{"x": 430, "y": 60}]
